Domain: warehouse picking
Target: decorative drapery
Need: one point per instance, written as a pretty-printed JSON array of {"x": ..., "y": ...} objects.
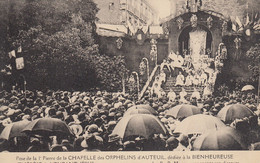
[{"x": 197, "y": 44}]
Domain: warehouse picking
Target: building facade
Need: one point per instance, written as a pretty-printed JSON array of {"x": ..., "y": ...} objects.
[{"x": 126, "y": 12}]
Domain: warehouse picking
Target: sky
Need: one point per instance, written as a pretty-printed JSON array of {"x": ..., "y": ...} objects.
[{"x": 162, "y": 6}]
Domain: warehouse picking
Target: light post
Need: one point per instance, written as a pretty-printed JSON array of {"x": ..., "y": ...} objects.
[{"x": 137, "y": 81}]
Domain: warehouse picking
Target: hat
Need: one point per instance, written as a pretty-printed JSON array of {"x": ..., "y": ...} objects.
[
  {"x": 93, "y": 128},
  {"x": 111, "y": 123},
  {"x": 76, "y": 129},
  {"x": 129, "y": 145},
  {"x": 10, "y": 112},
  {"x": 112, "y": 114},
  {"x": 4, "y": 108},
  {"x": 172, "y": 140},
  {"x": 113, "y": 138}
]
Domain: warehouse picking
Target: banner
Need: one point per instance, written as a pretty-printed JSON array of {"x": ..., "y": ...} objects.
[{"x": 19, "y": 63}]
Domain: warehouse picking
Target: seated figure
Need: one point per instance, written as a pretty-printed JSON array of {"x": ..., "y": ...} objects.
[
  {"x": 195, "y": 94},
  {"x": 179, "y": 80},
  {"x": 189, "y": 80},
  {"x": 171, "y": 95}
]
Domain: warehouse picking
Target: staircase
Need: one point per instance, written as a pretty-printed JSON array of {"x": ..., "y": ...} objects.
[{"x": 170, "y": 83}]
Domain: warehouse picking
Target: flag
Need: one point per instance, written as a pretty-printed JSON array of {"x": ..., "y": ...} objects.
[
  {"x": 12, "y": 54},
  {"x": 234, "y": 27},
  {"x": 19, "y": 63},
  {"x": 19, "y": 49},
  {"x": 240, "y": 25}
]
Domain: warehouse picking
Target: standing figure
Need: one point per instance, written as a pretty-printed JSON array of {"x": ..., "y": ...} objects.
[
  {"x": 203, "y": 78},
  {"x": 162, "y": 77}
]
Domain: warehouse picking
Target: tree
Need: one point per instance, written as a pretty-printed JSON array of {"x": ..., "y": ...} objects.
[
  {"x": 253, "y": 55},
  {"x": 58, "y": 41}
]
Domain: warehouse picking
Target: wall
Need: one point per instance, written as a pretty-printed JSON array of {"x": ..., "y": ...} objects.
[
  {"x": 132, "y": 51},
  {"x": 108, "y": 15},
  {"x": 117, "y": 12}
]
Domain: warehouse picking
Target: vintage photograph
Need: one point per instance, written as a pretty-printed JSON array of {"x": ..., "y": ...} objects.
[{"x": 129, "y": 75}]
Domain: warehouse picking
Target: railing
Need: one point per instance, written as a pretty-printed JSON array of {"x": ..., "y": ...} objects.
[{"x": 148, "y": 82}]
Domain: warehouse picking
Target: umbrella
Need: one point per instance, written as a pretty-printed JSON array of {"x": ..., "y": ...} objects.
[
  {"x": 183, "y": 111},
  {"x": 248, "y": 88},
  {"x": 147, "y": 107},
  {"x": 48, "y": 126},
  {"x": 198, "y": 124},
  {"x": 14, "y": 130},
  {"x": 225, "y": 138},
  {"x": 139, "y": 125},
  {"x": 235, "y": 111},
  {"x": 137, "y": 111}
]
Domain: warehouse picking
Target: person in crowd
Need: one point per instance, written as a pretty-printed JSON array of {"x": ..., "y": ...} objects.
[{"x": 92, "y": 116}]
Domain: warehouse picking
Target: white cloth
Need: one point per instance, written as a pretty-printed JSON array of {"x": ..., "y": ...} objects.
[
  {"x": 189, "y": 80},
  {"x": 183, "y": 93},
  {"x": 180, "y": 80},
  {"x": 206, "y": 91},
  {"x": 203, "y": 78},
  {"x": 162, "y": 77},
  {"x": 195, "y": 94},
  {"x": 197, "y": 43},
  {"x": 179, "y": 61},
  {"x": 172, "y": 96}
]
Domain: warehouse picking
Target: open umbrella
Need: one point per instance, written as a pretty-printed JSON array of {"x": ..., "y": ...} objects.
[
  {"x": 248, "y": 88},
  {"x": 48, "y": 127},
  {"x": 183, "y": 111},
  {"x": 235, "y": 111},
  {"x": 137, "y": 111},
  {"x": 14, "y": 130},
  {"x": 139, "y": 125},
  {"x": 198, "y": 124},
  {"x": 142, "y": 106},
  {"x": 225, "y": 138}
]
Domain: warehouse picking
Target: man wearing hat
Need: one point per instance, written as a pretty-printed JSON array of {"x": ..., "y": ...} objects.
[{"x": 114, "y": 143}]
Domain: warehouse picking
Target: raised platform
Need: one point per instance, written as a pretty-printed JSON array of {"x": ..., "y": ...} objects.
[{"x": 170, "y": 83}]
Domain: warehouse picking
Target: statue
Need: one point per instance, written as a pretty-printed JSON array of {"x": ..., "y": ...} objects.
[{"x": 194, "y": 21}]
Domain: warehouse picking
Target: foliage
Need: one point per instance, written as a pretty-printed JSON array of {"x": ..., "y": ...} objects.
[
  {"x": 253, "y": 54},
  {"x": 109, "y": 70},
  {"x": 58, "y": 42}
]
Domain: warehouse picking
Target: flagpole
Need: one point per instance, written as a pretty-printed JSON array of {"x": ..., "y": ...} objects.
[{"x": 258, "y": 87}]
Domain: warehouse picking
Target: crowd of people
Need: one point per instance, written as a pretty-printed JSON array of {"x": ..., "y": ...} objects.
[{"x": 92, "y": 116}]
